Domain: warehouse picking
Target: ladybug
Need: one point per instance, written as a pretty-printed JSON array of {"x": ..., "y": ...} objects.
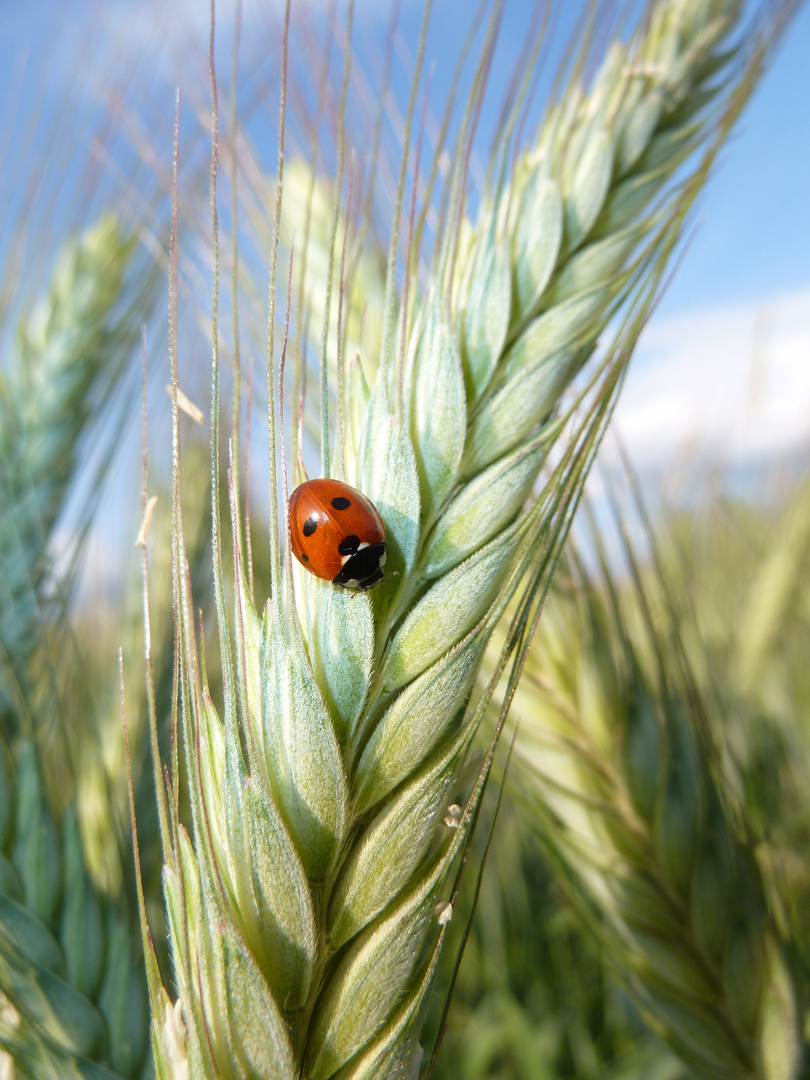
[{"x": 337, "y": 533}]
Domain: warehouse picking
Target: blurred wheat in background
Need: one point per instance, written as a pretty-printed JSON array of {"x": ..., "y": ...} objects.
[{"x": 535, "y": 806}]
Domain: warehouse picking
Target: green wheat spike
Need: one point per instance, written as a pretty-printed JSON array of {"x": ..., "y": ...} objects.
[{"x": 309, "y": 778}]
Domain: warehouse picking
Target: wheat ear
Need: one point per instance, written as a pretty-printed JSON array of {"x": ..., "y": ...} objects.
[
  {"x": 622, "y": 781},
  {"x": 302, "y": 900},
  {"x": 61, "y": 362},
  {"x": 70, "y": 969},
  {"x": 73, "y": 993}
]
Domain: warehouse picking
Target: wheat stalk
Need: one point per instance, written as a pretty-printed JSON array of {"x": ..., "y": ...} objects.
[{"x": 302, "y": 901}]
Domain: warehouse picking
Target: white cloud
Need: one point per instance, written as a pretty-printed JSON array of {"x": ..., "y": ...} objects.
[{"x": 731, "y": 384}]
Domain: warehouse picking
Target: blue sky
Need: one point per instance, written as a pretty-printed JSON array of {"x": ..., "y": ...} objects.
[
  {"x": 754, "y": 220},
  {"x": 753, "y": 241},
  {"x": 741, "y": 291},
  {"x": 753, "y": 237},
  {"x": 723, "y": 371}
]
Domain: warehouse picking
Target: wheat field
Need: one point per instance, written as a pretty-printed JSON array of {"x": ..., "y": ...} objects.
[{"x": 535, "y": 804}]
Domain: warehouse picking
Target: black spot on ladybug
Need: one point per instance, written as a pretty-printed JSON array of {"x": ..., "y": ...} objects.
[
  {"x": 304, "y": 556},
  {"x": 341, "y": 503},
  {"x": 310, "y": 525},
  {"x": 349, "y": 544}
]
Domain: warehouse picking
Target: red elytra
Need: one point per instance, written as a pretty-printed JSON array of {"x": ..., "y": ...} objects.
[{"x": 337, "y": 533}]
